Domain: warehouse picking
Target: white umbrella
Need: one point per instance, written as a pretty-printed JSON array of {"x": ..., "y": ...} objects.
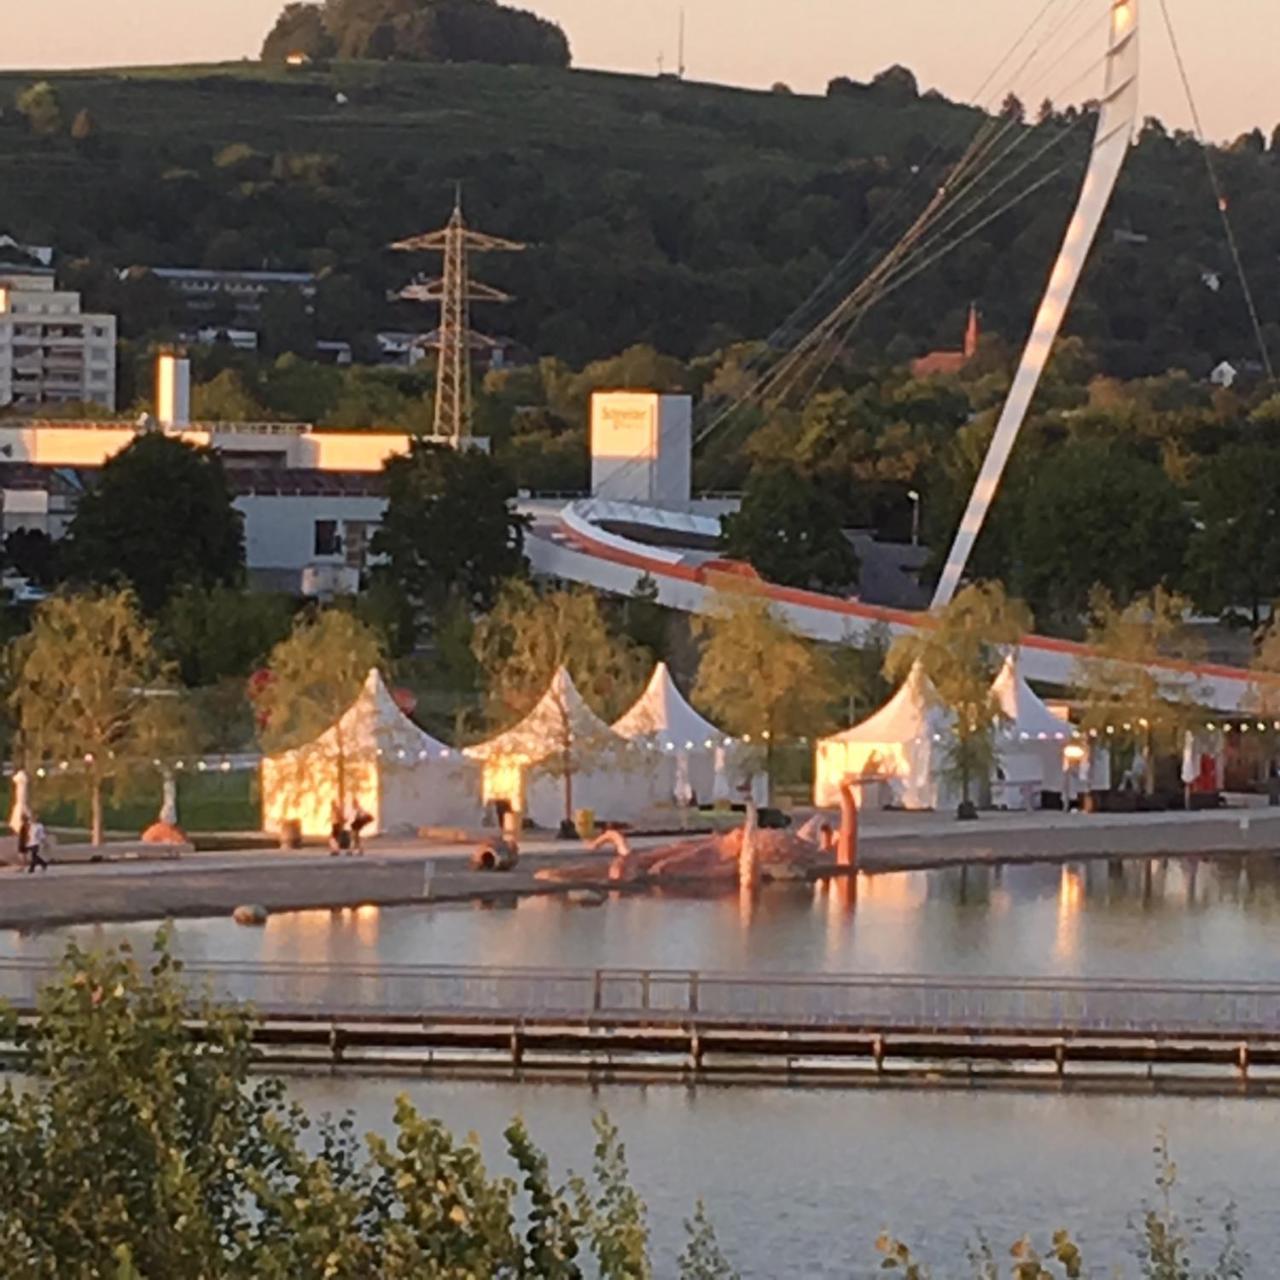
[
  {"x": 683, "y": 785},
  {"x": 1190, "y": 760}
]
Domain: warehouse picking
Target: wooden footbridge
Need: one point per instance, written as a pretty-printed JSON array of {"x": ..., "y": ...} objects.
[{"x": 605, "y": 1025}]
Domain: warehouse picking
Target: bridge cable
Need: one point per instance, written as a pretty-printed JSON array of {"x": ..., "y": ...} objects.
[{"x": 1218, "y": 191}]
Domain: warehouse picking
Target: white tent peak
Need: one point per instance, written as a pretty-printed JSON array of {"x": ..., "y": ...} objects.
[
  {"x": 561, "y": 713},
  {"x": 374, "y": 722},
  {"x": 664, "y": 714},
  {"x": 1025, "y": 713},
  {"x": 915, "y": 711}
]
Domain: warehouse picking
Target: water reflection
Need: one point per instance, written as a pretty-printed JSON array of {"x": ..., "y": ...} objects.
[{"x": 1159, "y": 917}]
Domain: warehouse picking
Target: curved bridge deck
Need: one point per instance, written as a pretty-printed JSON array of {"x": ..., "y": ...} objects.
[{"x": 653, "y": 1024}]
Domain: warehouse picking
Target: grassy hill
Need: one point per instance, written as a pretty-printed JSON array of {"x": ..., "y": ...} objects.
[{"x": 677, "y": 214}]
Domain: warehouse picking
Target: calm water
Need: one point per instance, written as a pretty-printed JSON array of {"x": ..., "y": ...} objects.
[
  {"x": 800, "y": 1183},
  {"x": 1154, "y": 919}
]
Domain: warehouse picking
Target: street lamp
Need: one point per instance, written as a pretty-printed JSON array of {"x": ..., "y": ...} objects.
[{"x": 915, "y": 516}]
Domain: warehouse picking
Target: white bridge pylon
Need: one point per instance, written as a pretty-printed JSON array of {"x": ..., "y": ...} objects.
[{"x": 1117, "y": 120}]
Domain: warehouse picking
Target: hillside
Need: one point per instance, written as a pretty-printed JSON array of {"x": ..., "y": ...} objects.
[{"x": 675, "y": 214}]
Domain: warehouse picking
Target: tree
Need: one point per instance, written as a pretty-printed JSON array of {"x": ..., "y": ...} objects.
[
  {"x": 42, "y": 107},
  {"x": 526, "y": 640},
  {"x": 961, "y": 655},
  {"x": 757, "y": 677},
  {"x": 1234, "y": 555},
  {"x": 417, "y": 31},
  {"x": 1093, "y": 513},
  {"x": 312, "y": 677},
  {"x": 790, "y": 532},
  {"x": 160, "y": 518},
  {"x": 88, "y": 690},
  {"x": 644, "y": 619},
  {"x": 1129, "y": 699},
  {"x": 1012, "y": 109},
  {"x": 897, "y": 85},
  {"x": 225, "y": 398},
  {"x": 147, "y": 1150},
  {"x": 451, "y": 534},
  {"x": 33, "y": 555},
  {"x": 222, "y": 633},
  {"x": 300, "y": 29}
]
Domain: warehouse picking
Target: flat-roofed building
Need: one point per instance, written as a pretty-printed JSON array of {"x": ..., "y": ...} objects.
[{"x": 52, "y": 352}]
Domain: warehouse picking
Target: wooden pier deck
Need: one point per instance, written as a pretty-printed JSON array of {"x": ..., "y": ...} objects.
[{"x": 648, "y": 1025}]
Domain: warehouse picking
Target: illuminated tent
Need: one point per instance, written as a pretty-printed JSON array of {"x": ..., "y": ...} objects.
[
  {"x": 688, "y": 748},
  {"x": 527, "y": 765},
  {"x": 1030, "y": 743},
  {"x": 894, "y": 759},
  {"x": 376, "y": 755}
]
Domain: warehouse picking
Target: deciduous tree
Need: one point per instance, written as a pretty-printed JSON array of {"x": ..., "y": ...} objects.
[
  {"x": 90, "y": 693},
  {"x": 758, "y": 678},
  {"x": 961, "y": 655},
  {"x": 451, "y": 533},
  {"x": 159, "y": 519}
]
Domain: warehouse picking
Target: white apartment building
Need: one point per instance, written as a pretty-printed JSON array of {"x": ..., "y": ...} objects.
[{"x": 51, "y": 352}]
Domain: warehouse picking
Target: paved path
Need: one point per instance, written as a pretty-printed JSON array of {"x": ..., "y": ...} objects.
[{"x": 410, "y": 871}]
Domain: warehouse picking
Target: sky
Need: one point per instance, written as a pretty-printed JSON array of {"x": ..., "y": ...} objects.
[{"x": 1231, "y": 46}]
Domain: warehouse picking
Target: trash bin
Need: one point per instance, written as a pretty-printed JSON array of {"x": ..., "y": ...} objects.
[
  {"x": 291, "y": 834},
  {"x": 584, "y": 822}
]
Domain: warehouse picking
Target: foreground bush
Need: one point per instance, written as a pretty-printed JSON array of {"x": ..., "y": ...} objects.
[{"x": 137, "y": 1150}]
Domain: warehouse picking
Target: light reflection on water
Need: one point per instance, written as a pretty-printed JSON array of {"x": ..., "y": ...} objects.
[
  {"x": 800, "y": 1183},
  {"x": 1160, "y": 918}
]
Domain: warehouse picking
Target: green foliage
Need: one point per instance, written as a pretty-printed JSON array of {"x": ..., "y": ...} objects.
[
  {"x": 315, "y": 675},
  {"x": 961, "y": 655},
  {"x": 1125, "y": 697},
  {"x": 416, "y": 31},
  {"x": 159, "y": 519},
  {"x": 1095, "y": 515},
  {"x": 450, "y": 534},
  {"x": 790, "y": 532},
  {"x": 42, "y": 106},
  {"x": 529, "y": 635},
  {"x": 645, "y": 620},
  {"x": 214, "y": 634},
  {"x": 1234, "y": 557},
  {"x": 80, "y": 680},
  {"x": 757, "y": 677},
  {"x": 147, "y": 1152}
]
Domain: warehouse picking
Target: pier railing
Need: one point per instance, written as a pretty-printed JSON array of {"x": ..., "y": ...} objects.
[{"x": 881, "y": 1003}]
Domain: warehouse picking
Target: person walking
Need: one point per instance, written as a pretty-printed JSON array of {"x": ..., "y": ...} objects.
[
  {"x": 360, "y": 818},
  {"x": 35, "y": 844},
  {"x": 338, "y": 836}
]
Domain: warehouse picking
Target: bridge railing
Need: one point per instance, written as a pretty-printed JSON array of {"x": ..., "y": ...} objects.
[{"x": 868, "y": 1002}]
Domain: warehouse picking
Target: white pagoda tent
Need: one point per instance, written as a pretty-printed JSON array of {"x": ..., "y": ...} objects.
[
  {"x": 692, "y": 755},
  {"x": 376, "y": 755},
  {"x": 894, "y": 759},
  {"x": 526, "y": 765},
  {"x": 1030, "y": 743}
]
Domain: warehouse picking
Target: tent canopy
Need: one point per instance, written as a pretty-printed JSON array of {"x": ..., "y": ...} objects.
[
  {"x": 561, "y": 720},
  {"x": 897, "y": 747},
  {"x": 376, "y": 755},
  {"x": 1027, "y": 718},
  {"x": 663, "y": 715}
]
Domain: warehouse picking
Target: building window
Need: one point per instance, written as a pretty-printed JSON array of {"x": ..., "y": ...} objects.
[{"x": 328, "y": 539}]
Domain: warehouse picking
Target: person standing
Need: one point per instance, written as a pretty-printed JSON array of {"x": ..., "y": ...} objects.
[
  {"x": 35, "y": 845},
  {"x": 360, "y": 818},
  {"x": 338, "y": 838}
]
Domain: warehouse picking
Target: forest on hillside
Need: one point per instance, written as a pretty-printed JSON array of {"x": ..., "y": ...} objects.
[{"x": 683, "y": 216}]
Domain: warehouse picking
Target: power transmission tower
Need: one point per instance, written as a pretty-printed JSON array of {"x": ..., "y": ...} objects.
[{"x": 455, "y": 291}]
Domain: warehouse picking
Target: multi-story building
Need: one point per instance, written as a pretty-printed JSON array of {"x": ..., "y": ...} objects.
[
  {"x": 52, "y": 352},
  {"x": 242, "y": 293}
]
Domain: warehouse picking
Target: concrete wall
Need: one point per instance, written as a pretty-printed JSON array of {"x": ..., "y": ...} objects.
[{"x": 279, "y": 529}]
